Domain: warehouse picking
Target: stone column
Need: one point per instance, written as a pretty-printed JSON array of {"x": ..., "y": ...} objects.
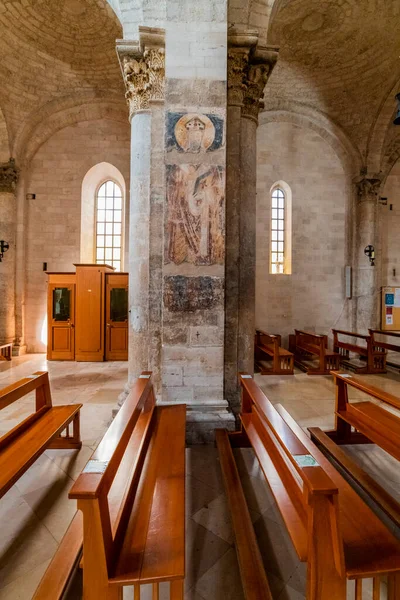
[
  {"x": 249, "y": 67},
  {"x": 8, "y": 183},
  {"x": 143, "y": 68},
  {"x": 367, "y": 277},
  {"x": 20, "y": 266}
]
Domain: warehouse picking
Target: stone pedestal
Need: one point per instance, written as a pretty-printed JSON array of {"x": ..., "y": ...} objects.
[{"x": 367, "y": 276}]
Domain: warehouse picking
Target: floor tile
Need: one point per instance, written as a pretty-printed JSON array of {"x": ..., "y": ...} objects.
[
  {"x": 24, "y": 587},
  {"x": 198, "y": 495},
  {"x": 223, "y": 579},
  {"x": 202, "y": 462},
  {"x": 216, "y": 518},
  {"x": 203, "y": 550}
]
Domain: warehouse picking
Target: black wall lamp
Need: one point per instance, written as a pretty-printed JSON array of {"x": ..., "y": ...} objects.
[
  {"x": 370, "y": 252},
  {"x": 4, "y": 246}
]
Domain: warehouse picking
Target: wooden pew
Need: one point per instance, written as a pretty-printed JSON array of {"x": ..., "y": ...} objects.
[
  {"x": 20, "y": 447},
  {"x": 381, "y": 346},
  {"x": 375, "y": 357},
  {"x": 132, "y": 496},
  {"x": 306, "y": 346},
  {"x": 372, "y": 423},
  {"x": 385, "y": 502},
  {"x": 331, "y": 527},
  {"x": 6, "y": 351},
  {"x": 268, "y": 346}
]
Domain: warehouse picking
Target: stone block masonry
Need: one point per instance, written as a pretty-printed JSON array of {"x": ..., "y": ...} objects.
[{"x": 194, "y": 213}]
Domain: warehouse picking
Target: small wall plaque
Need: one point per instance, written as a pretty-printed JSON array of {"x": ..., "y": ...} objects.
[
  {"x": 246, "y": 377},
  {"x": 95, "y": 466},
  {"x": 144, "y": 376},
  {"x": 306, "y": 460}
]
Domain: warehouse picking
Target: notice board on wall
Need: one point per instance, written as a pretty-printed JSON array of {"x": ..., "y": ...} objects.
[{"x": 390, "y": 320}]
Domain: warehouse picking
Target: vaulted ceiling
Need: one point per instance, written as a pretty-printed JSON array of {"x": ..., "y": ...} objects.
[
  {"x": 340, "y": 57},
  {"x": 53, "y": 50}
]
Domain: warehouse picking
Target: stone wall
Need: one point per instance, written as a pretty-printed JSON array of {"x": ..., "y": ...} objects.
[
  {"x": 54, "y": 216},
  {"x": 390, "y": 229},
  {"x": 312, "y": 297}
]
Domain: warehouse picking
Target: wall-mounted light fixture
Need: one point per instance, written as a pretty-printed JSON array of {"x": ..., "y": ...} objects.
[
  {"x": 4, "y": 246},
  {"x": 397, "y": 119},
  {"x": 370, "y": 252}
]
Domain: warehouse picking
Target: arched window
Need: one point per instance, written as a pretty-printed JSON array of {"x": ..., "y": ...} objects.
[
  {"x": 281, "y": 230},
  {"x": 109, "y": 219}
]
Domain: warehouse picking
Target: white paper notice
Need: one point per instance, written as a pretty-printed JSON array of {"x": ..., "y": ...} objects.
[
  {"x": 397, "y": 298},
  {"x": 389, "y": 319}
]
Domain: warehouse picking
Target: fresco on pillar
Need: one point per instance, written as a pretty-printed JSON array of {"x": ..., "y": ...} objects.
[
  {"x": 194, "y": 133},
  {"x": 195, "y": 223}
]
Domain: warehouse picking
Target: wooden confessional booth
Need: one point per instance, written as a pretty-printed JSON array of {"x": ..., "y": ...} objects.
[{"x": 88, "y": 314}]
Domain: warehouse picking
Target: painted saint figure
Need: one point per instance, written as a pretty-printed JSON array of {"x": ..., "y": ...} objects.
[
  {"x": 195, "y": 214},
  {"x": 195, "y": 128}
]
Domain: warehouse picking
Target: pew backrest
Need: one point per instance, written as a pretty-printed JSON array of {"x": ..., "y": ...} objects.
[
  {"x": 264, "y": 338},
  {"x": 385, "y": 345},
  {"x": 342, "y": 380},
  {"x": 352, "y": 347},
  {"x": 38, "y": 383},
  {"x": 311, "y": 342},
  {"x": 107, "y": 473}
]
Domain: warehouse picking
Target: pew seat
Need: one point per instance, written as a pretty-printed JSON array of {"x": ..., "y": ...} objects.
[
  {"x": 381, "y": 497},
  {"x": 20, "y": 447},
  {"x": 330, "y": 525}
]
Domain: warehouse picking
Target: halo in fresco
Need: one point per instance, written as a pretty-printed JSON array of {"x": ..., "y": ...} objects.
[{"x": 194, "y": 133}]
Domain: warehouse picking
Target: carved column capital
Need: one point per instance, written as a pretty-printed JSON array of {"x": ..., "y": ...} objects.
[
  {"x": 143, "y": 68},
  {"x": 261, "y": 64},
  {"x": 240, "y": 44},
  {"x": 368, "y": 189},
  {"x": 249, "y": 67},
  {"x": 8, "y": 176}
]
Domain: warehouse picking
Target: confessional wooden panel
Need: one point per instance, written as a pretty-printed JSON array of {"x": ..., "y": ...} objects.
[
  {"x": 88, "y": 314},
  {"x": 117, "y": 316},
  {"x": 90, "y": 287},
  {"x": 61, "y": 319}
]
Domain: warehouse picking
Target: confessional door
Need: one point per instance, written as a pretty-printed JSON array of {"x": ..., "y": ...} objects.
[
  {"x": 117, "y": 316},
  {"x": 61, "y": 321}
]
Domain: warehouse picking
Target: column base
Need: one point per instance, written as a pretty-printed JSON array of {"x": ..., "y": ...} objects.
[
  {"x": 201, "y": 424},
  {"x": 19, "y": 350},
  {"x": 202, "y": 418}
]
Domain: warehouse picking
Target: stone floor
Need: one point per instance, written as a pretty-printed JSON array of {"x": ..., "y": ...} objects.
[{"x": 36, "y": 511}]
